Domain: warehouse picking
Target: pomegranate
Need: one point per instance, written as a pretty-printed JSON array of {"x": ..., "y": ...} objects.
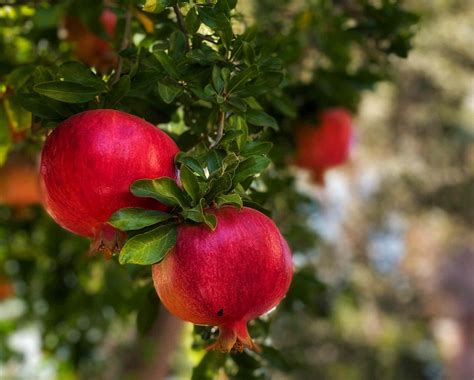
[
  {"x": 325, "y": 146},
  {"x": 226, "y": 277},
  {"x": 88, "y": 164},
  {"x": 90, "y": 48},
  {"x": 19, "y": 185}
]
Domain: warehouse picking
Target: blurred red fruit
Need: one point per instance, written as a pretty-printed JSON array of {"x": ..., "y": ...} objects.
[
  {"x": 90, "y": 48},
  {"x": 326, "y": 145}
]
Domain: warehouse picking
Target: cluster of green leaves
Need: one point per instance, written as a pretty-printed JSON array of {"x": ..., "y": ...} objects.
[{"x": 216, "y": 177}]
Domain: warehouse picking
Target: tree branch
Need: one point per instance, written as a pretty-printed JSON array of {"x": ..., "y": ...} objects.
[
  {"x": 125, "y": 43},
  {"x": 220, "y": 129},
  {"x": 182, "y": 24}
]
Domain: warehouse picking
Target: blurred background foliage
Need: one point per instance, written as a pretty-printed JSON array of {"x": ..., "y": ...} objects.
[{"x": 382, "y": 253}]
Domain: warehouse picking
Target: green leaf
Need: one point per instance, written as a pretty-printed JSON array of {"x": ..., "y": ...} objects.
[
  {"x": 197, "y": 214},
  {"x": 239, "y": 123},
  {"x": 118, "y": 91},
  {"x": 68, "y": 92},
  {"x": 243, "y": 77},
  {"x": 43, "y": 107},
  {"x": 219, "y": 185},
  {"x": 5, "y": 138},
  {"x": 78, "y": 73},
  {"x": 149, "y": 248},
  {"x": 253, "y": 148},
  {"x": 168, "y": 92},
  {"x": 156, "y": 6},
  {"x": 177, "y": 43},
  {"x": 129, "y": 219},
  {"x": 233, "y": 199},
  {"x": 192, "y": 21},
  {"x": 19, "y": 118},
  {"x": 249, "y": 53},
  {"x": 190, "y": 183},
  {"x": 191, "y": 163},
  {"x": 261, "y": 119},
  {"x": 214, "y": 19},
  {"x": 214, "y": 160},
  {"x": 167, "y": 63},
  {"x": 164, "y": 190},
  {"x": 18, "y": 77},
  {"x": 217, "y": 80},
  {"x": 250, "y": 167}
]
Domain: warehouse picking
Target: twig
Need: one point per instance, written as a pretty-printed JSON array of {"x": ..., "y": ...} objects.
[
  {"x": 182, "y": 24},
  {"x": 220, "y": 129},
  {"x": 206, "y": 38},
  {"x": 125, "y": 43}
]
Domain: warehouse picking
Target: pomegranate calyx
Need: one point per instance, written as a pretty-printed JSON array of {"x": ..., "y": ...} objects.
[
  {"x": 108, "y": 241},
  {"x": 234, "y": 337}
]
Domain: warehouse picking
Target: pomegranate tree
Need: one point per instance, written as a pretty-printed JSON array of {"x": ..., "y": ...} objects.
[
  {"x": 88, "y": 163},
  {"x": 228, "y": 276},
  {"x": 326, "y": 145}
]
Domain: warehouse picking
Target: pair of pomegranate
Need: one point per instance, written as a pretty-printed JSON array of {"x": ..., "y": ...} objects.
[{"x": 224, "y": 277}]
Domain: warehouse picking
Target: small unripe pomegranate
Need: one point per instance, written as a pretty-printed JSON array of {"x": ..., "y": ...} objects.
[
  {"x": 326, "y": 145},
  {"x": 88, "y": 164},
  {"x": 90, "y": 48},
  {"x": 226, "y": 277},
  {"x": 19, "y": 184}
]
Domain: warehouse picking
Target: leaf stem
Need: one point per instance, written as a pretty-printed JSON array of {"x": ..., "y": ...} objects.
[
  {"x": 182, "y": 24},
  {"x": 125, "y": 43},
  {"x": 220, "y": 129}
]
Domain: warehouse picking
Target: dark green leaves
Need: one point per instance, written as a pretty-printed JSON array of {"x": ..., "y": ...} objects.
[
  {"x": 129, "y": 219},
  {"x": 78, "y": 73},
  {"x": 168, "y": 92},
  {"x": 150, "y": 247},
  {"x": 261, "y": 119},
  {"x": 251, "y": 166},
  {"x": 190, "y": 183},
  {"x": 118, "y": 91},
  {"x": 68, "y": 92},
  {"x": 197, "y": 214},
  {"x": 164, "y": 190}
]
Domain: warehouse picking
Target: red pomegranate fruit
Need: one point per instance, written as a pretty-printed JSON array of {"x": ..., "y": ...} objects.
[
  {"x": 89, "y": 47},
  {"x": 88, "y": 164},
  {"x": 326, "y": 145},
  {"x": 226, "y": 277}
]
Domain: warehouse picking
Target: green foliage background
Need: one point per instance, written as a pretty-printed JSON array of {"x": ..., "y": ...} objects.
[{"x": 229, "y": 82}]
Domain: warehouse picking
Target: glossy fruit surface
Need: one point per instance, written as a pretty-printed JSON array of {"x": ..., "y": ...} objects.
[
  {"x": 325, "y": 145},
  {"x": 89, "y": 162},
  {"x": 226, "y": 277}
]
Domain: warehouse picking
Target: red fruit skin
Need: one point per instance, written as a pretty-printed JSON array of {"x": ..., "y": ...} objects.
[
  {"x": 89, "y": 162},
  {"x": 327, "y": 145},
  {"x": 226, "y": 277}
]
